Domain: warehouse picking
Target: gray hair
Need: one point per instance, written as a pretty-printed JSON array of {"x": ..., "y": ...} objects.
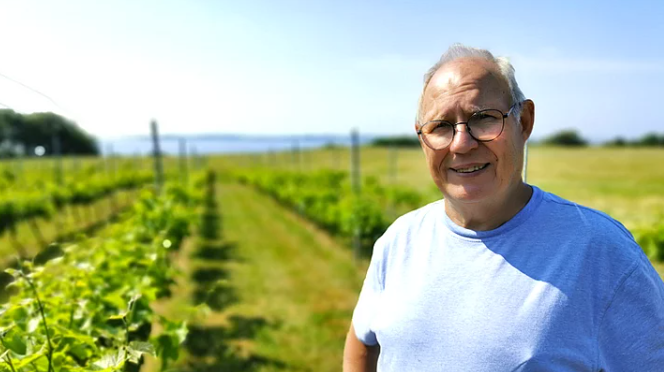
[{"x": 505, "y": 68}]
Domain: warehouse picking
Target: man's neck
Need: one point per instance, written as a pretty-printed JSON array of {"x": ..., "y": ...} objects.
[{"x": 484, "y": 216}]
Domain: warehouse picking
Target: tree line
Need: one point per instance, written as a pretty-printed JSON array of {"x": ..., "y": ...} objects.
[
  {"x": 566, "y": 137},
  {"x": 21, "y": 134},
  {"x": 570, "y": 137}
]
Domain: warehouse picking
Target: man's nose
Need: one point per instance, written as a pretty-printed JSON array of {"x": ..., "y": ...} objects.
[{"x": 462, "y": 142}]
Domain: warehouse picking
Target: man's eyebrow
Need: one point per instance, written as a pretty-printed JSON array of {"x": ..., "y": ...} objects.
[{"x": 440, "y": 115}]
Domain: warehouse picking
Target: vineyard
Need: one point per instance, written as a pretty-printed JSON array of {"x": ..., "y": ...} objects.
[
  {"x": 45, "y": 196},
  {"x": 238, "y": 263}
]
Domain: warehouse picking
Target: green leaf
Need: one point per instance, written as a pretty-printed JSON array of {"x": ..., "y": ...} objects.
[
  {"x": 143, "y": 347},
  {"x": 27, "y": 360},
  {"x": 182, "y": 332},
  {"x": 114, "y": 359},
  {"x": 4, "y": 330},
  {"x": 13, "y": 272},
  {"x": 167, "y": 349},
  {"x": 16, "y": 344},
  {"x": 33, "y": 324}
]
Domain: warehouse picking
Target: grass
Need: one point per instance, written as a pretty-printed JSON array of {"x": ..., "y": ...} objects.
[
  {"x": 281, "y": 291},
  {"x": 628, "y": 183},
  {"x": 296, "y": 278}
]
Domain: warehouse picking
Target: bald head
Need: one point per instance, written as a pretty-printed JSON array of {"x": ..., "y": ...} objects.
[
  {"x": 499, "y": 67},
  {"x": 476, "y": 79}
]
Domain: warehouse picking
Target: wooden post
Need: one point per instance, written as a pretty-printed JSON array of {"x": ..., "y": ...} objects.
[
  {"x": 393, "y": 159},
  {"x": 296, "y": 156},
  {"x": 184, "y": 176},
  {"x": 110, "y": 171},
  {"x": 356, "y": 185},
  {"x": 57, "y": 169},
  {"x": 195, "y": 161},
  {"x": 392, "y": 166},
  {"x": 355, "y": 161},
  {"x": 156, "y": 153},
  {"x": 56, "y": 153}
]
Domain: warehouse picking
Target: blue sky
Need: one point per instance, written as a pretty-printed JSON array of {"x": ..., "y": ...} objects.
[{"x": 288, "y": 67}]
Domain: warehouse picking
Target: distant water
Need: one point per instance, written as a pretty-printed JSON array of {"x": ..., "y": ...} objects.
[{"x": 225, "y": 144}]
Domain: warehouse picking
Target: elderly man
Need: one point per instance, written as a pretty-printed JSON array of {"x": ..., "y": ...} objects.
[{"x": 500, "y": 275}]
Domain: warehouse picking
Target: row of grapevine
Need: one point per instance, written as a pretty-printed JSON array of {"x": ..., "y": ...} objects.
[
  {"x": 326, "y": 197},
  {"x": 89, "y": 309},
  {"x": 18, "y": 205},
  {"x": 36, "y": 174}
]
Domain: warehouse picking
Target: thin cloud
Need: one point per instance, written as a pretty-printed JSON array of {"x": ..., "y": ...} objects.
[
  {"x": 548, "y": 61},
  {"x": 600, "y": 66}
]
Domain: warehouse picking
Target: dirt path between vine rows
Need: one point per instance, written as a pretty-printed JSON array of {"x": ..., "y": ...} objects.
[{"x": 282, "y": 291}]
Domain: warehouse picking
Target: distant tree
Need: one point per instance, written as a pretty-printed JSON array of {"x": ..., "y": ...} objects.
[
  {"x": 39, "y": 129},
  {"x": 651, "y": 139},
  {"x": 617, "y": 142},
  {"x": 567, "y": 137},
  {"x": 398, "y": 141},
  {"x": 10, "y": 122}
]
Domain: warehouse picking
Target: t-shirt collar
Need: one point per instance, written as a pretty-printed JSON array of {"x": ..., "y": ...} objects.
[{"x": 515, "y": 221}]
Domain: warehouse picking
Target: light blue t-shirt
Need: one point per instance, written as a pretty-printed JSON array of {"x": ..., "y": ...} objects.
[{"x": 558, "y": 288}]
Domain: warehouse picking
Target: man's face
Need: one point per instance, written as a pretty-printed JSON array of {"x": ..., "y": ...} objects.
[{"x": 455, "y": 92}]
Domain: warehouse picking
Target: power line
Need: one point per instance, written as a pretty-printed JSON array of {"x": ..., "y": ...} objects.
[{"x": 32, "y": 89}]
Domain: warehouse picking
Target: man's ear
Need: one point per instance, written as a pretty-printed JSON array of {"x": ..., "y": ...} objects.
[{"x": 527, "y": 118}]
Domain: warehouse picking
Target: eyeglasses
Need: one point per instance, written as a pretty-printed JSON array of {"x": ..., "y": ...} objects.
[{"x": 483, "y": 126}]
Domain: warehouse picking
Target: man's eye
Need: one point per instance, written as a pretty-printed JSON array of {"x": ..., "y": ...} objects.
[
  {"x": 486, "y": 115},
  {"x": 441, "y": 128}
]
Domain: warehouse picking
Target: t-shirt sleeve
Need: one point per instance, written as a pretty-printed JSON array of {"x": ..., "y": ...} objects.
[
  {"x": 631, "y": 333},
  {"x": 368, "y": 303}
]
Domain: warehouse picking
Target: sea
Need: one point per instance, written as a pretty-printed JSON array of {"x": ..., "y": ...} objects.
[{"x": 224, "y": 144}]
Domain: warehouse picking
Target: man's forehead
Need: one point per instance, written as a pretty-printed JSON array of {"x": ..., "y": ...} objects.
[
  {"x": 476, "y": 81},
  {"x": 466, "y": 73}
]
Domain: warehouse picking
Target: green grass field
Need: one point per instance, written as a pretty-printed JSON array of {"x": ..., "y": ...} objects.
[
  {"x": 628, "y": 184},
  {"x": 281, "y": 292}
]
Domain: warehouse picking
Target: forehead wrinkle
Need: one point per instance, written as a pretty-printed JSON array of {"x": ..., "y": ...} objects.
[
  {"x": 439, "y": 110},
  {"x": 461, "y": 79}
]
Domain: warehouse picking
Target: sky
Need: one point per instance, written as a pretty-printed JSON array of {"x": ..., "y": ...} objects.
[{"x": 296, "y": 67}]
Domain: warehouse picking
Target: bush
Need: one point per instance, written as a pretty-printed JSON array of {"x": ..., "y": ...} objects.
[
  {"x": 648, "y": 140},
  {"x": 568, "y": 137},
  {"x": 651, "y": 139},
  {"x": 397, "y": 141},
  {"x": 651, "y": 240}
]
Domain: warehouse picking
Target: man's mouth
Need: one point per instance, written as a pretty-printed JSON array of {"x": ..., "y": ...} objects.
[{"x": 470, "y": 169}]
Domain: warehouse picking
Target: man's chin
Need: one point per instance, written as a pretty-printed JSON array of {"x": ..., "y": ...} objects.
[{"x": 465, "y": 194}]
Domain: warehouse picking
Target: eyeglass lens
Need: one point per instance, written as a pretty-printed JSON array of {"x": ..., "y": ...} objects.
[{"x": 483, "y": 126}]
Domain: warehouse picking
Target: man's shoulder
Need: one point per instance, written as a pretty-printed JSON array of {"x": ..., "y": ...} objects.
[
  {"x": 604, "y": 236},
  {"x": 583, "y": 218}
]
